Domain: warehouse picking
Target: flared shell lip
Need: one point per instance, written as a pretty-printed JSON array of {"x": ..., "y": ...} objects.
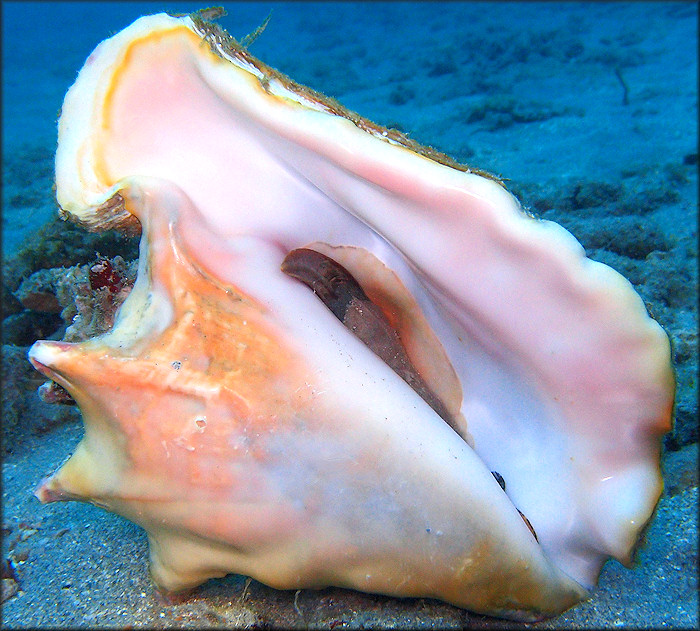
[
  {"x": 278, "y": 84},
  {"x": 274, "y": 84}
]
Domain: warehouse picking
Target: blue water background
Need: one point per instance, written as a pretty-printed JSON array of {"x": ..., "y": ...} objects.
[{"x": 425, "y": 68}]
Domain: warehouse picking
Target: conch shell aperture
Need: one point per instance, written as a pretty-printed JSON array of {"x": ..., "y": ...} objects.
[{"x": 250, "y": 429}]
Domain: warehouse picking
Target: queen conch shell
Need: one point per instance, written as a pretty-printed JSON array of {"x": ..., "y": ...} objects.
[{"x": 232, "y": 415}]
